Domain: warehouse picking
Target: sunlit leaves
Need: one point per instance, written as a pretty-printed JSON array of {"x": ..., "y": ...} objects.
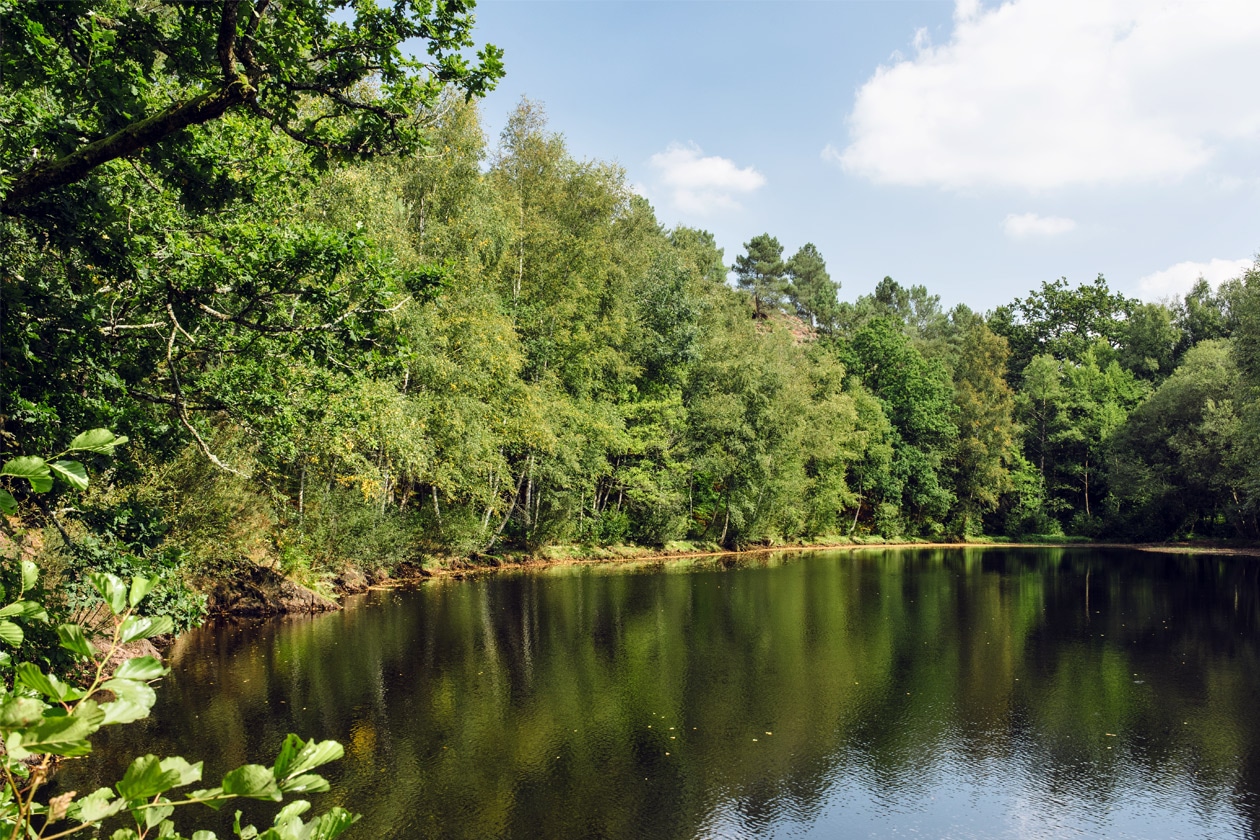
[
  {"x": 73, "y": 640},
  {"x": 33, "y": 469},
  {"x": 100, "y": 441},
  {"x": 298, "y": 756},
  {"x": 112, "y": 590},
  {"x": 97, "y": 806},
  {"x": 252, "y": 781},
  {"x": 140, "y": 668},
  {"x": 11, "y": 633},
  {"x": 48, "y": 685},
  {"x": 65, "y": 735},
  {"x": 136, "y": 627},
  {"x": 147, "y": 777}
]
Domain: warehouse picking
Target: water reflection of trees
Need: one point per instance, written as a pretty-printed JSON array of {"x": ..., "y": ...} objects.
[{"x": 611, "y": 703}]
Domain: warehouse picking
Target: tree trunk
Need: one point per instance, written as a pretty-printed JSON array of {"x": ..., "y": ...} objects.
[
  {"x": 1042, "y": 451},
  {"x": 529, "y": 490},
  {"x": 1087, "y": 513},
  {"x": 420, "y": 234},
  {"x": 494, "y": 488},
  {"x": 726, "y": 520},
  {"x": 512, "y": 507},
  {"x": 520, "y": 259}
]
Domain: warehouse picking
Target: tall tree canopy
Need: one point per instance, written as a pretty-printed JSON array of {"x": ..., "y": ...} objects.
[
  {"x": 1061, "y": 320},
  {"x": 92, "y": 81},
  {"x": 156, "y": 229}
]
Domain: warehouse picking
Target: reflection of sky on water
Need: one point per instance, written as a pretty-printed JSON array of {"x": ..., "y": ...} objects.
[
  {"x": 891, "y": 694},
  {"x": 959, "y": 798}
]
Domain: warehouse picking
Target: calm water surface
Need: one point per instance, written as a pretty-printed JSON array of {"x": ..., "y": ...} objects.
[{"x": 942, "y": 693}]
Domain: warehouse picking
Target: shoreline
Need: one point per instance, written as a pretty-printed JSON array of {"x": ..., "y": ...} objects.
[
  {"x": 265, "y": 593},
  {"x": 298, "y": 601},
  {"x": 631, "y": 554}
]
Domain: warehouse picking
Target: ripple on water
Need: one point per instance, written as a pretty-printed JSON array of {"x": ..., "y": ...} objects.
[{"x": 909, "y": 694}]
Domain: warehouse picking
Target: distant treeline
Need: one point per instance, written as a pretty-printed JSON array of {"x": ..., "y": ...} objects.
[{"x": 470, "y": 349}]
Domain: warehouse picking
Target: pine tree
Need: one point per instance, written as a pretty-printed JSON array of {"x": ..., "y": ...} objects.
[{"x": 762, "y": 273}]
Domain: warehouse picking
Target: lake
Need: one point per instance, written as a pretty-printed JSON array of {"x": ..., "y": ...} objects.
[{"x": 874, "y": 693}]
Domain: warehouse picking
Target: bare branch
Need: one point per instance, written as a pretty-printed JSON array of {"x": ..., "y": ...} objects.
[
  {"x": 323, "y": 90},
  {"x": 327, "y": 325},
  {"x": 52, "y": 517},
  {"x": 172, "y": 402},
  {"x": 181, "y": 408},
  {"x": 144, "y": 177},
  {"x": 302, "y": 138},
  {"x": 110, "y": 329}
]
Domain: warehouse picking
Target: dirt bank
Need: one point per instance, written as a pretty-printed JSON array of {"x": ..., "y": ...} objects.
[
  {"x": 260, "y": 592},
  {"x": 472, "y": 567}
]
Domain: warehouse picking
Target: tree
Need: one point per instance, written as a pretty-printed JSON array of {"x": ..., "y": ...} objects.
[
  {"x": 917, "y": 397},
  {"x": 1178, "y": 462},
  {"x": 1061, "y": 320},
  {"x": 762, "y": 273},
  {"x": 699, "y": 251},
  {"x": 1039, "y": 400},
  {"x": 1244, "y": 309},
  {"x": 1202, "y": 315},
  {"x": 95, "y": 81},
  {"x": 810, "y": 289},
  {"x": 141, "y": 179},
  {"x": 153, "y": 285},
  {"x": 1149, "y": 341},
  {"x": 986, "y": 427},
  {"x": 917, "y": 312},
  {"x": 1096, "y": 401}
]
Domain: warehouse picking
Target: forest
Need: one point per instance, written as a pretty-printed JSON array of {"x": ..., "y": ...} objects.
[{"x": 341, "y": 327}]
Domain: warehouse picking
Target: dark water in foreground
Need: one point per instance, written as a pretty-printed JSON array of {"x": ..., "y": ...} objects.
[{"x": 943, "y": 693}]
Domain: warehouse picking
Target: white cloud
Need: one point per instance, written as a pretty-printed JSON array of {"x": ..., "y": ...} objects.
[
  {"x": 1178, "y": 279},
  {"x": 703, "y": 185},
  {"x": 1024, "y": 225},
  {"x": 1039, "y": 94}
]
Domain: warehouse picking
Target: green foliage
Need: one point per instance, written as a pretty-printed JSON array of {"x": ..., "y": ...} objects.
[
  {"x": 45, "y": 715},
  {"x": 1062, "y": 321},
  {"x": 762, "y": 273},
  {"x": 331, "y": 357},
  {"x": 96, "y": 80},
  {"x": 1178, "y": 464},
  {"x": 986, "y": 429},
  {"x": 1150, "y": 341},
  {"x": 916, "y": 310},
  {"x": 811, "y": 289},
  {"x": 916, "y": 395},
  {"x": 162, "y": 567},
  {"x": 1203, "y": 314}
]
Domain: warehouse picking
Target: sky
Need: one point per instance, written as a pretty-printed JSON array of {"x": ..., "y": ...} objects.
[{"x": 976, "y": 148}]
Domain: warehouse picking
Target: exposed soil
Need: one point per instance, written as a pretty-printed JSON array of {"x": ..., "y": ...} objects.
[
  {"x": 258, "y": 591},
  {"x": 460, "y": 568}
]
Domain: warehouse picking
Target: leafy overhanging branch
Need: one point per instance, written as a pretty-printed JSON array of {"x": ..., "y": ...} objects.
[{"x": 279, "y": 60}]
